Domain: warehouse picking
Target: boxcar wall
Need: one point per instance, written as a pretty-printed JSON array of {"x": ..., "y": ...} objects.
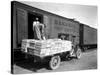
[
  {"x": 56, "y": 26},
  {"x": 64, "y": 27},
  {"x": 88, "y": 37}
]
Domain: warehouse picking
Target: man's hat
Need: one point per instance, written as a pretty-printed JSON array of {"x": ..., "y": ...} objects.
[{"x": 37, "y": 18}]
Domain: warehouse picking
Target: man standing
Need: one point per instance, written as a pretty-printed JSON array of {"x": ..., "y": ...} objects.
[{"x": 38, "y": 29}]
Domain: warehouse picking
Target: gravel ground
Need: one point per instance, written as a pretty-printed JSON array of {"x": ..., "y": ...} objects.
[{"x": 88, "y": 61}]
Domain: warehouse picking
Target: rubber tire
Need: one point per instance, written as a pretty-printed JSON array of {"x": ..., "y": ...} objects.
[
  {"x": 78, "y": 53},
  {"x": 54, "y": 62}
]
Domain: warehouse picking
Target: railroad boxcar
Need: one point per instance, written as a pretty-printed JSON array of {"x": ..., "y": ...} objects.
[
  {"x": 88, "y": 37},
  {"x": 56, "y": 26}
]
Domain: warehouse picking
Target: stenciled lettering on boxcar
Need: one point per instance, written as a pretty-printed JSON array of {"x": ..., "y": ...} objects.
[
  {"x": 67, "y": 26},
  {"x": 63, "y": 23},
  {"x": 58, "y": 22}
]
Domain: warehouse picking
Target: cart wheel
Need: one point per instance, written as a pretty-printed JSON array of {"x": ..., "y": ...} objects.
[
  {"x": 54, "y": 62},
  {"x": 78, "y": 53}
]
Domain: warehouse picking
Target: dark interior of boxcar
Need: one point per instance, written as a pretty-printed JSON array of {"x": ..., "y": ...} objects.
[{"x": 31, "y": 18}]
